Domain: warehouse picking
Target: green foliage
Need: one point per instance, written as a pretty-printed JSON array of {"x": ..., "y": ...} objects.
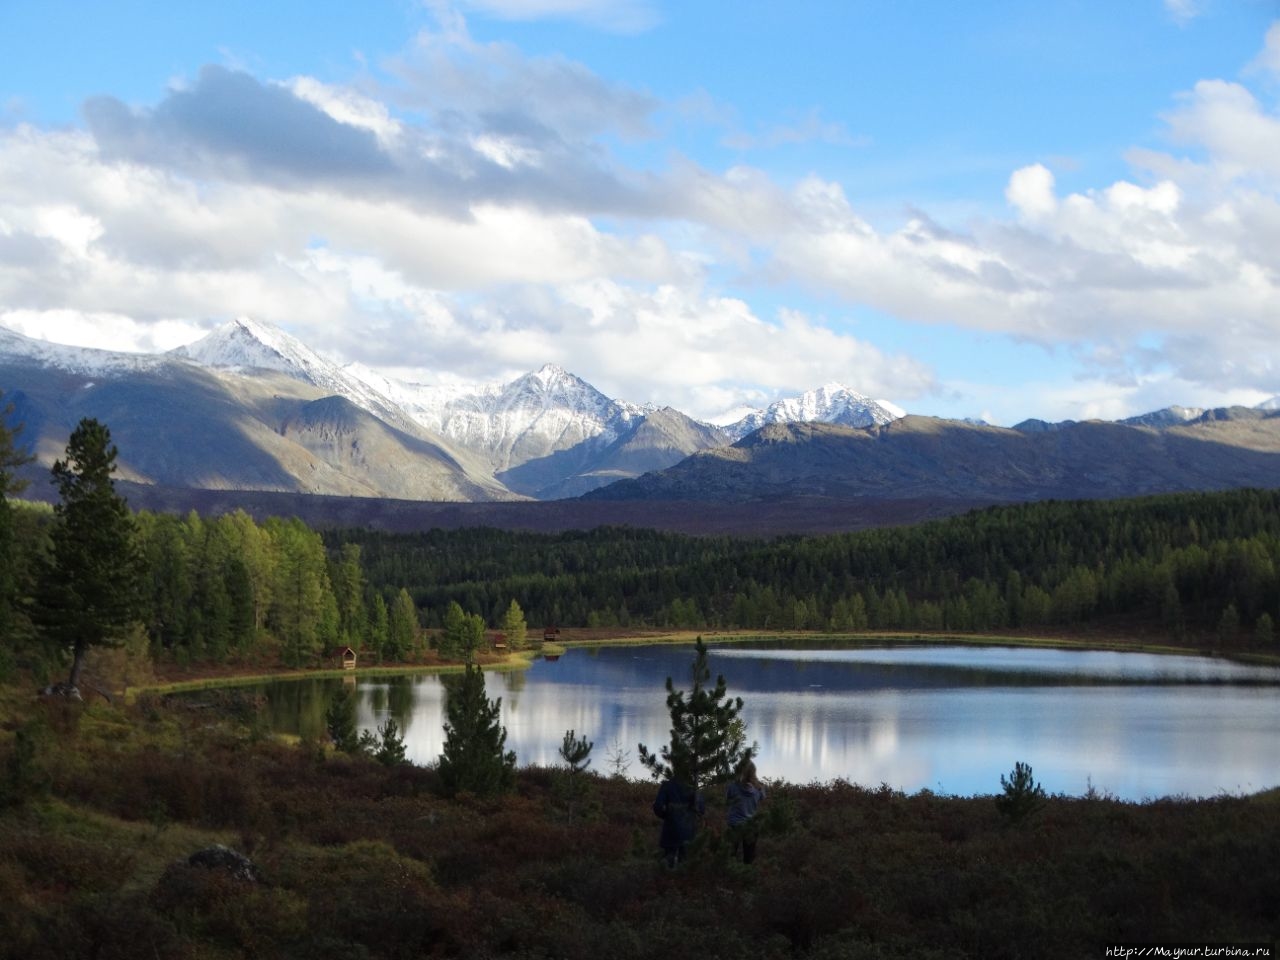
[
  {"x": 340, "y": 720},
  {"x": 89, "y": 589},
  {"x": 1022, "y": 795},
  {"x": 1169, "y": 563},
  {"x": 707, "y": 738},
  {"x": 514, "y": 627},
  {"x": 576, "y": 753},
  {"x": 1264, "y": 632},
  {"x": 474, "y": 759},
  {"x": 390, "y": 751},
  {"x": 463, "y": 634},
  {"x": 402, "y": 627},
  {"x": 24, "y": 777}
]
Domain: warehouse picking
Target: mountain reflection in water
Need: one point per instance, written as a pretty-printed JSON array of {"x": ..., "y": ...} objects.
[{"x": 949, "y": 718}]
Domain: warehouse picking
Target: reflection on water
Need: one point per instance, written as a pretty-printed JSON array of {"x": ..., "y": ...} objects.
[{"x": 950, "y": 718}]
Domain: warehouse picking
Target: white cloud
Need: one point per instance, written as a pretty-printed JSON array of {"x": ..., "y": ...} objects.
[
  {"x": 621, "y": 16},
  {"x": 1268, "y": 61},
  {"x": 1182, "y": 11}
]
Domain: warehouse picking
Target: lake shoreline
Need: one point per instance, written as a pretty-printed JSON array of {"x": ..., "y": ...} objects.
[{"x": 207, "y": 680}]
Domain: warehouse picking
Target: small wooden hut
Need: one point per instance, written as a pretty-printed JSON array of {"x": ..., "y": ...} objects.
[{"x": 346, "y": 658}]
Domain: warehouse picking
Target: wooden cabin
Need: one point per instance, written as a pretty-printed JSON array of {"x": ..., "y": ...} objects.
[
  {"x": 346, "y": 658},
  {"x": 498, "y": 641},
  {"x": 550, "y": 633}
]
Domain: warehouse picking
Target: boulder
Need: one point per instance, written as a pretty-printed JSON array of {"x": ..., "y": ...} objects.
[{"x": 232, "y": 862}]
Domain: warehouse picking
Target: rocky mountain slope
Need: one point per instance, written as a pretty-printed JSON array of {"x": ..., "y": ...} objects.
[
  {"x": 924, "y": 457},
  {"x": 182, "y": 425}
]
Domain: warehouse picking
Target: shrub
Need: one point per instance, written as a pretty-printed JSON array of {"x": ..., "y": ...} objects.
[{"x": 1022, "y": 795}]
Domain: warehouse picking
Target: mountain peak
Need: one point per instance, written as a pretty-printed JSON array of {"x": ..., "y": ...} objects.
[
  {"x": 830, "y": 403},
  {"x": 248, "y": 344}
]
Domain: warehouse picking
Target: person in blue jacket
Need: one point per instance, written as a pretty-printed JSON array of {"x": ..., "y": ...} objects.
[
  {"x": 742, "y": 798},
  {"x": 680, "y": 808}
]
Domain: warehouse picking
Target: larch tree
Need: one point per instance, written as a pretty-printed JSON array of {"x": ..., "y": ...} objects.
[
  {"x": 89, "y": 589},
  {"x": 402, "y": 626},
  {"x": 514, "y": 627},
  {"x": 707, "y": 737}
]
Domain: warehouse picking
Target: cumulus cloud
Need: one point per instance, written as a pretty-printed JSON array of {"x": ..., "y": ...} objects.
[{"x": 229, "y": 123}]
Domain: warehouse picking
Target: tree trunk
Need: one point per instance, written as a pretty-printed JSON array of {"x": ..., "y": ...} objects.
[{"x": 77, "y": 663}]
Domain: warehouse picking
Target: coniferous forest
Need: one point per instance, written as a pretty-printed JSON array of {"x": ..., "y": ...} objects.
[{"x": 1196, "y": 568}]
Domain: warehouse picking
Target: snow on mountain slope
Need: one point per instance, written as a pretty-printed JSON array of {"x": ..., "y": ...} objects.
[
  {"x": 244, "y": 345},
  {"x": 1167, "y": 417},
  {"x": 831, "y": 403},
  {"x": 1272, "y": 404},
  {"x": 83, "y": 361},
  {"x": 533, "y": 416}
]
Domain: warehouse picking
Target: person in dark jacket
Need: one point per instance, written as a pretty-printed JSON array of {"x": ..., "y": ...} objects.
[
  {"x": 742, "y": 798},
  {"x": 680, "y": 808}
]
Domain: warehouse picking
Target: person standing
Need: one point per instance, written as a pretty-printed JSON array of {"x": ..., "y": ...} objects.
[
  {"x": 680, "y": 808},
  {"x": 742, "y": 799}
]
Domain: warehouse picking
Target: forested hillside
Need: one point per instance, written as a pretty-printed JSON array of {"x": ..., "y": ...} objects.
[
  {"x": 1199, "y": 567},
  {"x": 1199, "y": 563}
]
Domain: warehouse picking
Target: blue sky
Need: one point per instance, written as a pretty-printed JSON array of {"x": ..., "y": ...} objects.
[{"x": 999, "y": 210}]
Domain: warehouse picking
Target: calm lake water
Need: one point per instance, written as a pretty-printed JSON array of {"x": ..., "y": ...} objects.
[{"x": 951, "y": 718}]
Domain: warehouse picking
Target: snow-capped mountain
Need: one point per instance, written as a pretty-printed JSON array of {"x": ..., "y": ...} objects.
[
  {"x": 533, "y": 416},
  {"x": 82, "y": 361},
  {"x": 1168, "y": 417},
  {"x": 1272, "y": 404},
  {"x": 244, "y": 345},
  {"x": 832, "y": 403}
]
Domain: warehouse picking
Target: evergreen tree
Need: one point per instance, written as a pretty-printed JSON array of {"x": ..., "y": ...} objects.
[
  {"x": 514, "y": 627},
  {"x": 1229, "y": 624},
  {"x": 10, "y": 458},
  {"x": 348, "y": 586},
  {"x": 340, "y": 721},
  {"x": 390, "y": 752},
  {"x": 463, "y": 633},
  {"x": 575, "y": 751},
  {"x": 89, "y": 589},
  {"x": 474, "y": 760},
  {"x": 402, "y": 626},
  {"x": 1264, "y": 632},
  {"x": 379, "y": 627},
  {"x": 707, "y": 738}
]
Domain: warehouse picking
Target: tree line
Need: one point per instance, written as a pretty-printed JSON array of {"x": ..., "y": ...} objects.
[
  {"x": 1197, "y": 564},
  {"x": 191, "y": 589}
]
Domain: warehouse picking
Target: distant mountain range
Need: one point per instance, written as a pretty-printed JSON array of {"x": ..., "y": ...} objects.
[
  {"x": 924, "y": 457},
  {"x": 250, "y": 408}
]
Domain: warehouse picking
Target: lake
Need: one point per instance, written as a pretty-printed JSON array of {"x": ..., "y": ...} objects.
[{"x": 948, "y": 717}]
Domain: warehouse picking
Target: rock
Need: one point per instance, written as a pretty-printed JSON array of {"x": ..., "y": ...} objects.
[
  {"x": 61, "y": 689},
  {"x": 218, "y": 857}
]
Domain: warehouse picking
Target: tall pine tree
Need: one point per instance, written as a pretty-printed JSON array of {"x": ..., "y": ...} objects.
[
  {"x": 707, "y": 737},
  {"x": 474, "y": 760},
  {"x": 89, "y": 589}
]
